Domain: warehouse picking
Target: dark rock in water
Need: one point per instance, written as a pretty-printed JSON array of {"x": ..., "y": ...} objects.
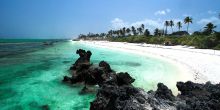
[
  {"x": 127, "y": 97},
  {"x": 66, "y": 79},
  {"x": 83, "y": 71},
  {"x": 113, "y": 96},
  {"x": 116, "y": 91},
  {"x": 164, "y": 93},
  {"x": 106, "y": 66},
  {"x": 45, "y": 107},
  {"x": 124, "y": 79},
  {"x": 83, "y": 60},
  {"x": 86, "y": 90},
  {"x": 200, "y": 96}
]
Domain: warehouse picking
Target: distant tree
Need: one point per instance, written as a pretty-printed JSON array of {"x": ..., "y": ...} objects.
[
  {"x": 209, "y": 28},
  {"x": 187, "y": 20},
  {"x": 179, "y": 25},
  {"x": 156, "y": 32},
  {"x": 166, "y": 24},
  {"x": 117, "y": 33},
  {"x": 133, "y": 30},
  {"x": 121, "y": 32},
  {"x": 128, "y": 30},
  {"x": 124, "y": 31},
  {"x": 142, "y": 26},
  {"x": 171, "y": 25},
  {"x": 140, "y": 31},
  {"x": 161, "y": 32},
  {"x": 146, "y": 32},
  {"x": 110, "y": 33}
]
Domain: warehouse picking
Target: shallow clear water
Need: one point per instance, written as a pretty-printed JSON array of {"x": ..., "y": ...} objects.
[{"x": 33, "y": 79}]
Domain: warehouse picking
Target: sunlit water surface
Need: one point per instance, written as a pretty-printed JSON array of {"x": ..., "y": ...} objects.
[{"x": 31, "y": 80}]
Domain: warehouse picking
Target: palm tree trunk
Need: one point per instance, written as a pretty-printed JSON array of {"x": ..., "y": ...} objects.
[
  {"x": 166, "y": 31},
  {"x": 188, "y": 27},
  {"x": 172, "y": 29}
]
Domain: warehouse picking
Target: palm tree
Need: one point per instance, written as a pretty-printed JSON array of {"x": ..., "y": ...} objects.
[
  {"x": 140, "y": 30},
  {"x": 171, "y": 25},
  {"x": 133, "y": 30},
  {"x": 128, "y": 30},
  {"x": 110, "y": 33},
  {"x": 156, "y": 32},
  {"x": 187, "y": 20},
  {"x": 166, "y": 24},
  {"x": 142, "y": 26},
  {"x": 179, "y": 25},
  {"x": 147, "y": 32},
  {"x": 124, "y": 31},
  {"x": 118, "y": 33},
  {"x": 209, "y": 28}
]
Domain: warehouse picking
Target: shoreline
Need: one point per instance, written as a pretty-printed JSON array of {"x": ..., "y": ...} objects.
[{"x": 190, "y": 66}]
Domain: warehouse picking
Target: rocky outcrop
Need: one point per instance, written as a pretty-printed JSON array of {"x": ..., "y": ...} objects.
[
  {"x": 116, "y": 91},
  {"x": 127, "y": 97},
  {"x": 83, "y": 71},
  {"x": 193, "y": 96},
  {"x": 199, "y": 96}
]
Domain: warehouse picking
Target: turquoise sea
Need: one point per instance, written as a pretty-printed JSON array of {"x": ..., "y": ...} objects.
[{"x": 31, "y": 74}]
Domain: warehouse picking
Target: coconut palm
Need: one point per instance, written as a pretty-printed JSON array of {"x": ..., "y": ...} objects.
[
  {"x": 142, "y": 26},
  {"x": 171, "y": 25},
  {"x": 179, "y": 25},
  {"x": 209, "y": 28},
  {"x": 124, "y": 31},
  {"x": 140, "y": 30},
  {"x": 166, "y": 24},
  {"x": 187, "y": 20},
  {"x": 128, "y": 30},
  {"x": 110, "y": 33},
  {"x": 147, "y": 32},
  {"x": 133, "y": 30},
  {"x": 156, "y": 32}
]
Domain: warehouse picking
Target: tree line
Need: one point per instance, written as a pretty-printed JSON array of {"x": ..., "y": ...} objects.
[{"x": 141, "y": 31}]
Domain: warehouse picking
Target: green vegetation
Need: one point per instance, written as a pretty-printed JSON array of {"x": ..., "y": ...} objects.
[
  {"x": 198, "y": 41},
  {"x": 206, "y": 39}
]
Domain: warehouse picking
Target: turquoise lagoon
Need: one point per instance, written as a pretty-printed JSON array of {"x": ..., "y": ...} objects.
[{"x": 31, "y": 80}]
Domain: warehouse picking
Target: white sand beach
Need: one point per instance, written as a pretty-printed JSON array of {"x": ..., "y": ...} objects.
[{"x": 201, "y": 64}]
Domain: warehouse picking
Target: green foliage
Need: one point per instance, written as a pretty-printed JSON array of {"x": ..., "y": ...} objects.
[
  {"x": 198, "y": 41},
  {"x": 217, "y": 47}
]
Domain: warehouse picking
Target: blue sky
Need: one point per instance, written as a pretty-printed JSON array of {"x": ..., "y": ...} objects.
[{"x": 68, "y": 18}]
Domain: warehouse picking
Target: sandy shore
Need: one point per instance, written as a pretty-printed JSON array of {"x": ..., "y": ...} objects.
[{"x": 201, "y": 64}]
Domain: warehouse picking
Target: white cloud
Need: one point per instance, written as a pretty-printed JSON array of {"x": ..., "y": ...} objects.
[
  {"x": 162, "y": 12},
  {"x": 213, "y": 20},
  {"x": 168, "y": 10},
  {"x": 212, "y": 12},
  {"x": 118, "y": 23}
]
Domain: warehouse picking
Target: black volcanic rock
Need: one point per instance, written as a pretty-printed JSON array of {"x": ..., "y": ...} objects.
[
  {"x": 106, "y": 66},
  {"x": 83, "y": 71},
  {"x": 164, "y": 92},
  {"x": 200, "y": 96},
  {"x": 124, "y": 79},
  {"x": 83, "y": 61},
  {"x": 116, "y": 91}
]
